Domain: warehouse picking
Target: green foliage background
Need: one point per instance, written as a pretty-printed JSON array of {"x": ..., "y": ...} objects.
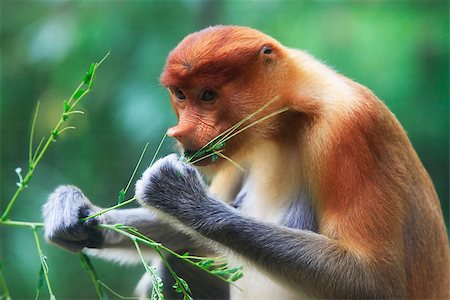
[{"x": 399, "y": 49}]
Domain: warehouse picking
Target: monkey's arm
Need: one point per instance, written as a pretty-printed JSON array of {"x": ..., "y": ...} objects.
[
  {"x": 300, "y": 258},
  {"x": 67, "y": 205}
]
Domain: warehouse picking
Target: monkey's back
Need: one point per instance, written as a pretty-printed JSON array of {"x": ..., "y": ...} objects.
[
  {"x": 425, "y": 241},
  {"x": 427, "y": 256}
]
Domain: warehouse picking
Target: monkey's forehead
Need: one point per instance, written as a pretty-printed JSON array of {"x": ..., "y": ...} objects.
[{"x": 214, "y": 54}]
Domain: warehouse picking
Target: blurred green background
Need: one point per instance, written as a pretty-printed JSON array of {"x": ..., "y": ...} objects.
[{"x": 398, "y": 49}]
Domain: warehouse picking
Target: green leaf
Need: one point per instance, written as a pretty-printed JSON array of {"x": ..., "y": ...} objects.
[
  {"x": 177, "y": 288},
  {"x": 87, "y": 77},
  {"x": 121, "y": 196},
  {"x": 40, "y": 282},
  {"x": 185, "y": 254},
  {"x": 125, "y": 227},
  {"x": 86, "y": 264},
  {"x": 78, "y": 94},
  {"x": 206, "y": 263},
  {"x": 237, "y": 276},
  {"x": 185, "y": 285},
  {"x": 54, "y": 135},
  {"x": 67, "y": 106},
  {"x": 157, "y": 288}
]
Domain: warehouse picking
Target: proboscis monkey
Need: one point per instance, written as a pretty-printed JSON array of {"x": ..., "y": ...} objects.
[{"x": 331, "y": 201}]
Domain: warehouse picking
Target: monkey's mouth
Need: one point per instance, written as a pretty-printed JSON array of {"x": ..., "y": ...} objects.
[{"x": 204, "y": 155}]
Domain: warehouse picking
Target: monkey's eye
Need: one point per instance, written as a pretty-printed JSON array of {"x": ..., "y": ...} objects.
[
  {"x": 178, "y": 93},
  {"x": 266, "y": 50},
  {"x": 208, "y": 95}
]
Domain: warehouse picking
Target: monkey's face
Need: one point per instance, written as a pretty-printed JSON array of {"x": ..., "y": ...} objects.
[
  {"x": 216, "y": 77},
  {"x": 201, "y": 117}
]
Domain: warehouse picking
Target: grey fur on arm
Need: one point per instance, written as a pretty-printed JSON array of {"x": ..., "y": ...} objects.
[
  {"x": 177, "y": 192},
  {"x": 67, "y": 205}
]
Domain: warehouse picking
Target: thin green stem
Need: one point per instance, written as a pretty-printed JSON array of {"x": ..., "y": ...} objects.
[
  {"x": 226, "y": 137},
  {"x": 219, "y": 139},
  {"x": 38, "y": 148},
  {"x": 186, "y": 293},
  {"x": 230, "y": 160},
  {"x": 4, "y": 295},
  {"x": 108, "y": 209},
  {"x": 254, "y": 123},
  {"x": 153, "y": 244},
  {"x": 30, "y": 172},
  {"x": 148, "y": 242},
  {"x": 21, "y": 224},
  {"x": 66, "y": 128},
  {"x": 11, "y": 202},
  {"x": 72, "y": 97},
  {"x": 43, "y": 262},
  {"x": 86, "y": 262},
  {"x": 206, "y": 156},
  {"x": 157, "y": 149},
  {"x": 36, "y": 158},
  {"x": 75, "y": 112},
  {"x": 117, "y": 294},
  {"x": 33, "y": 124},
  {"x": 103, "y": 59},
  {"x": 135, "y": 169},
  {"x": 189, "y": 259},
  {"x": 155, "y": 288}
]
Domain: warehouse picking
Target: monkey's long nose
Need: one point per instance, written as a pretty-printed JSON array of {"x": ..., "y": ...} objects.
[{"x": 184, "y": 133}]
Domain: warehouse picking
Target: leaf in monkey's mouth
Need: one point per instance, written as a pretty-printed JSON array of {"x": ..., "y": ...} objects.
[
  {"x": 209, "y": 150},
  {"x": 215, "y": 147}
]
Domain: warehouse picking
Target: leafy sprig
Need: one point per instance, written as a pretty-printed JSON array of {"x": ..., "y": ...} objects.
[
  {"x": 216, "y": 147},
  {"x": 35, "y": 156},
  {"x": 217, "y": 267}
]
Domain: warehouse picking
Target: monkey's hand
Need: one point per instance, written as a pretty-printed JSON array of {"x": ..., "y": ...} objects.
[
  {"x": 62, "y": 213},
  {"x": 175, "y": 189}
]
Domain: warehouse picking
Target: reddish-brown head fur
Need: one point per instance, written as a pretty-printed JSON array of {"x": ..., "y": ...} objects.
[
  {"x": 233, "y": 62},
  {"x": 214, "y": 55}
]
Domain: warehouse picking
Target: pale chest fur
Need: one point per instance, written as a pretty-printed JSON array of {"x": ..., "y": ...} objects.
[{"x": 267, "y": 192}]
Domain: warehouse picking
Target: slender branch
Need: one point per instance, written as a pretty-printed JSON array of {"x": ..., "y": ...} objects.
[
  {"x": 4, "y": 295},
  {"x": 135, "y": 169},
  {"x": 21, "y": 224},
  {"x": 180, "y": 284},
  {"x": 206, "y": 156},
  {"x": 38, "y": 148},
  {"x": 43, "y": 260},
  {"x": 219, "y": 140},
  {"x": 159, "y": 147},
  {"x": 33, "y": 124},
  {"x": 230, "y": 160},
  {"x": 86, "y": 262},
  {"x": 66, "y": 128},
  {"x": 108, "y": 209},
  {"x": 117, "y": 294},
  {"x": 254, "y": 123},
  {"x": 156, "y": 288},
  {"x": 248, "y": 118},
  {"x": 153, "y": 244},
  {"x": 36, "y": 158}
]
